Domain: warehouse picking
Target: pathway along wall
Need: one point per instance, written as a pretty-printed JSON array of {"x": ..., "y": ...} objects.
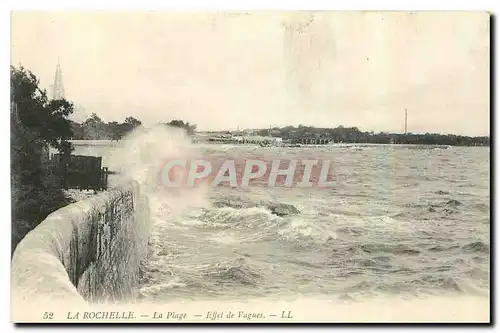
[{"x": 87, "y": 252}]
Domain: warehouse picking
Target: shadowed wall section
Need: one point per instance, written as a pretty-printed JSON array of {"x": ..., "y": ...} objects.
[{"x": 87, "y": 252}]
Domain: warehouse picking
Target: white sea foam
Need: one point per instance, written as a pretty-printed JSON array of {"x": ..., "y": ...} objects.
[{"x": 141, "y": 155}]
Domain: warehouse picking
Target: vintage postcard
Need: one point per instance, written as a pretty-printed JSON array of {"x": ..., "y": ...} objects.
[{"x": 270, "y": 167}]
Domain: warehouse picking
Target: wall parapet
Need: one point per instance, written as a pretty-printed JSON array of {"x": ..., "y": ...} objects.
[{"x": 87, "y": 252}]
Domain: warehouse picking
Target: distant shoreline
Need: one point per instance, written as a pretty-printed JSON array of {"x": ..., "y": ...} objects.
[{"x": 345, "y": 144}]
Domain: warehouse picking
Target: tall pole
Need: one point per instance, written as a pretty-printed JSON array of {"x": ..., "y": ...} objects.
[{"x": 406, "y": 121}]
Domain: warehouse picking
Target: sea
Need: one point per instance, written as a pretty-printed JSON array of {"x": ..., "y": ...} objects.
[{"x": 401, "y": 222}]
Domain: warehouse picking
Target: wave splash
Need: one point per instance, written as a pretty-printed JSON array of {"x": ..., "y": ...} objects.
[{"x": 140, "y": 157}]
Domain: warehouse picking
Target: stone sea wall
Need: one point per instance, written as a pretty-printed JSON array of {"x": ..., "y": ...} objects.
[{"x": 87, "y": 252}]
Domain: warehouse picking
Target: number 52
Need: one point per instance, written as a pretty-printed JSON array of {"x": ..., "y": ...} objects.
[{"x": 48, "y": 315}]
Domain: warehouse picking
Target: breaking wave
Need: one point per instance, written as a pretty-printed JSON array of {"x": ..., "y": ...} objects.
[{"x": 354, "y": 242}]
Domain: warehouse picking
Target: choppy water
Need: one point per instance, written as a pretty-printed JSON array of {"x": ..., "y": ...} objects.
[{"x": 403, "y": 221}]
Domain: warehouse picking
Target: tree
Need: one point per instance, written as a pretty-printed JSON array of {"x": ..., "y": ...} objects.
[
  {"x": 190, "y": 129},
  {"x": 94, "y": 128},
  {"x": 263, "y": 132},
  {"x": 129, "y": 125},
  {"x": 36, "y": 123},
  {"x": 47, "y": 119},
  {"x": 77, "y": 131},
  {"x": 133, "y": 122},
  {"x": 114, "y": 130}
]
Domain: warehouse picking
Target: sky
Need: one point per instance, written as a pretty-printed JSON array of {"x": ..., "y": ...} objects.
[{"x": 228, "y": 70}]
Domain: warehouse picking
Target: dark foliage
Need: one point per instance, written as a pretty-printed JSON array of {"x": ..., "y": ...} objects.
[
  {"x": 354, "y": 135},
  {"x": 36, "y": 123},
  {"x": 190, "y": 129},
  {"x": 95, "y": 129}
]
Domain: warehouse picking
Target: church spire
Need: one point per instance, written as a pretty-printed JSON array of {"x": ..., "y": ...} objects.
[{"x": 58, "y": 88}]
